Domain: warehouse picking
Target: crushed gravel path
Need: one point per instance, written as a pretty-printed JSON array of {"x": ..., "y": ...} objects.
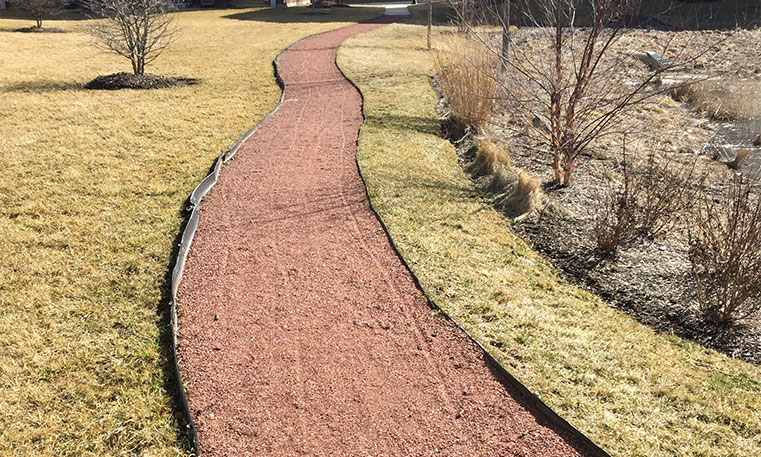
[{"x": 301, "y": 332}]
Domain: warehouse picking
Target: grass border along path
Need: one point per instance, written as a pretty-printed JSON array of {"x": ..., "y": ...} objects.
[
  {"x": 92, "y": 189},
  {"x": 633, "y": 391}
]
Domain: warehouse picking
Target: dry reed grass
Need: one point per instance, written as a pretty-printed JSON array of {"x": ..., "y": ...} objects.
[
  {"x": 468, "y": 79},
  {"x": 488, "y": 158},
  {"x": 726, "y": 98}
]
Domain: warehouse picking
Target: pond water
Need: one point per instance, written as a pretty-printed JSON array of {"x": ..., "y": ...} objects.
[{"x": 736, "y": 135}]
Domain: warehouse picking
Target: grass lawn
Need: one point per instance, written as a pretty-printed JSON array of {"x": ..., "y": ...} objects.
[
  {"x": 91, "y": 193},
  {"x": 632, "y": 390}
]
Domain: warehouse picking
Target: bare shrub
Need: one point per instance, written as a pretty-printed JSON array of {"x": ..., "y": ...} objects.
[
  {"x": 40, "y": 9},
  {"x": 488, "y": 157},
  {"x": 139, "y": 30},
  {"x": 468, "y": 80},
  {"x": 616, "y": 222},
  {"x": 724, "y": 237},
  {"x": 648, "y": 201}
]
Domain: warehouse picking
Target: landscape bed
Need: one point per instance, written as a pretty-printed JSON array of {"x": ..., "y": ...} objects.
[
  {"x": 91, "y": 203},
  {"x": 649, "y": 277},
  {"x": 631, "y": 389}
]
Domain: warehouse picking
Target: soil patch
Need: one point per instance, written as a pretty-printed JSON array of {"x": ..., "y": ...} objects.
[{"x": 119, "y": 81}]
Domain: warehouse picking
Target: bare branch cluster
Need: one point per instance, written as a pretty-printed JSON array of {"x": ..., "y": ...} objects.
[
  {"x": 40, "y": 9},
  {"x": 139, "y": 30},
  {"x": 560, "y": 75},
  {"x": 724, "y": 240},
  {"x": 649, "y": 201}
]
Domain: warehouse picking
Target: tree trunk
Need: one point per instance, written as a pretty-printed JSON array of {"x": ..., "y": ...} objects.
[
  {"x": 135, "y": 68},
  {"x": 505, "y": 57},
  {"x": 568, "y": 171},
  {"x": 430, "y": 20}
]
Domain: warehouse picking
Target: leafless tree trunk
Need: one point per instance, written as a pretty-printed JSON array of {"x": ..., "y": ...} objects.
[
  {"x": 430, "y": 22},
  {"x": 139, "y": 30}
]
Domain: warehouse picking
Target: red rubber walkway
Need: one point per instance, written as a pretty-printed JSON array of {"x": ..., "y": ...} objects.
[{"x": 322, "y": 345}]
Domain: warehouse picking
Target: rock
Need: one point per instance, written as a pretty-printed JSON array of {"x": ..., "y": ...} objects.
[
  {"x": 526, "y": 262},
  {"x": 655, "y": 61},
  {"x": 739, "y": 159}
]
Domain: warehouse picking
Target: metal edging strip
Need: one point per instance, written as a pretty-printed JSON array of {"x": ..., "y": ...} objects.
[
  {"x": 195, "y": 199},
  {"x": 530, "y": 396}
]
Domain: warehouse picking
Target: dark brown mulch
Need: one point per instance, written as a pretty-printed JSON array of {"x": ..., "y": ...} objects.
[
  {"x": 119, "y": 81},
  {"x": 41, "y": 30},
  {"x": 648, "y": 279}
]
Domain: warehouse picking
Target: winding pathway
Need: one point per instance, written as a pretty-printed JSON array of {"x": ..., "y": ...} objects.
[{"x": 301, "y": 332}]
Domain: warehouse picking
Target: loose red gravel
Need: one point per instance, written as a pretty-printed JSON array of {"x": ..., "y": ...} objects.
[{"x": 301, "y": 333}]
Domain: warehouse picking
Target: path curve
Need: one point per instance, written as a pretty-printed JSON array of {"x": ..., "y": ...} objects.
[{"x": 301, "y": 332}]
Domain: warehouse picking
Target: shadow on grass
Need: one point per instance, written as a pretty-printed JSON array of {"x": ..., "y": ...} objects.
[
  {"x": 420, "y": 124},
  {"x": 170, "y": 364},
  {"x": 304, "y": 14},
  {"x": 166, "y": 340},
  {"x": 42, "y": 86},
  {"x": 12, "y": 13}
]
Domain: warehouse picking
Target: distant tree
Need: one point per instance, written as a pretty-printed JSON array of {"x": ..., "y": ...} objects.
[
  {"x": 139, "y": 30},
  {"x": 40, "y": 9}
]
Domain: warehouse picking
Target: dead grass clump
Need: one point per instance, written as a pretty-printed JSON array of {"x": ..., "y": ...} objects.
[
  {"x": 468, "y": 79},
  {"x": 739, "y": 159},
  {"x": 724, "y": 251},
  {"x": 488, "y": 158},
  {"x": 523, "y": 197},
  {"x": 516, "y": 193}
]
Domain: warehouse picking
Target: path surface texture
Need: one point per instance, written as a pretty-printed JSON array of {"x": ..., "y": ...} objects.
[{"x": 301, "y": 332}]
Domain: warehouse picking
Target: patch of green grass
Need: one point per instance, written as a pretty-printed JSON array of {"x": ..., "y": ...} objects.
[
  {"x": 634, "y": 391},
  {"x": 91, "y": 193}
]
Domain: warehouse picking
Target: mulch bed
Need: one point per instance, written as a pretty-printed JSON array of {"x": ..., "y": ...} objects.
[
  {"x": 648, "y": 279},
  {"x": 119, "y": 81},
  {"x": 40, "y": 30},
  {"x": 301, "y": 331}
]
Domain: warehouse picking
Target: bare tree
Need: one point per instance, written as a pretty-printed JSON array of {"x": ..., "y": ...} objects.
[
  {"x": 40, "y": 9},
  {"x": 140, "y": 30},
  {"x": 561, "y": 75}
]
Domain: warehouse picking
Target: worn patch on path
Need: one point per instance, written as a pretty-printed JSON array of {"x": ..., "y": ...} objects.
[{"x": 301, "y": 332}]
